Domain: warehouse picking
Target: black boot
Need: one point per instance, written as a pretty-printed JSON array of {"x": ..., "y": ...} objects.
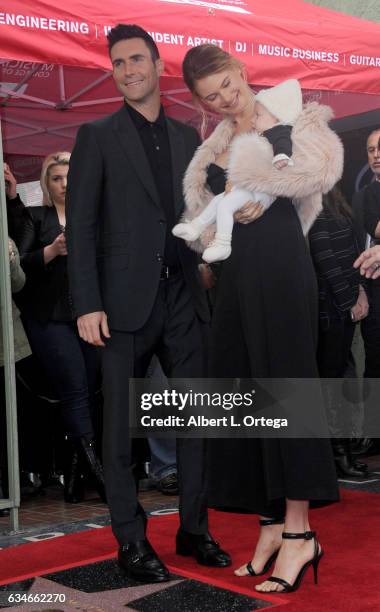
[
  {"x": 73, "y": 492},
  {"x": 365, "y": 446},
  {"x": 345, "y": 465},
  {"x": 86, "y": 448}
]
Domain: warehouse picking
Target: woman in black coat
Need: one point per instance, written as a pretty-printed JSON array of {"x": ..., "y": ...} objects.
[
  {"x": 342, "y": 302},
  {"x": 49, "y": 320}
]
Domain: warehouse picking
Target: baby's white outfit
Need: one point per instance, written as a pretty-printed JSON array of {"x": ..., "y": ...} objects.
[{"x": 221, "y": 210}]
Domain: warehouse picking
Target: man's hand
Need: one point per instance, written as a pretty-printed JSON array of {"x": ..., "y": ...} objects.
[
  {"x": 360, "y": 310},
  {"x": 356, "y": 313},
  {"x": 92, "y": 327},
  {"x": 207, "y": 276},
  {"x": 249, "y": 212},
  {"x": 10, "y": 183},
  {"x": 363, "y": 302},
  {"x": 369, "y": 262}
]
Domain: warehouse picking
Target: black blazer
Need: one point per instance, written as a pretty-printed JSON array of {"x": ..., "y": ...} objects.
[
  {"x": 46, "y": 285},
  {"x": 365, "y": 221},
  {"x": 116, "y": 226},
  {"x": 372, "y": 207}
]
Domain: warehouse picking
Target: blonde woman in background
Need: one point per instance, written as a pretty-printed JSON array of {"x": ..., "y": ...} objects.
[{"x": 49, "y": 320}]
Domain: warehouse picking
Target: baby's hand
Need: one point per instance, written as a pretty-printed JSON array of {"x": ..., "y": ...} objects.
[{"x": 281, "y": 163}]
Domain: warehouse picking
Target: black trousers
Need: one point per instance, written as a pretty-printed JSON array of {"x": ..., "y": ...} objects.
[
  {"x": 174, "y": 333},
  {"x": 72, "y": 366},
  {"x": 333, "y": 354},
  {"x": 370, "y": 328},
  {"x": 334, "y": 347},
  {"x": 34, "y": 423}
]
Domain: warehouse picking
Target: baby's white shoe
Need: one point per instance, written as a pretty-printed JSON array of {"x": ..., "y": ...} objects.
[
  {"x": 190, "y": 230},
  {"x": 219, "y": 249}
]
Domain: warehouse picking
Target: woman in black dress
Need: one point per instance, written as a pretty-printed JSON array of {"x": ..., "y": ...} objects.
[{"x": 264, "y": 326}]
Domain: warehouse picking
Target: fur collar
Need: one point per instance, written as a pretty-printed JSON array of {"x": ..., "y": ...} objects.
[{"x": 318, "y": 165}]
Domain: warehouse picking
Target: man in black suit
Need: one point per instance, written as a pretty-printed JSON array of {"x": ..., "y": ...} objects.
[
  {"x": 373, "y": 155},
  {"x": 136, "y": 288},
  {"x": 366, "y": 208}
]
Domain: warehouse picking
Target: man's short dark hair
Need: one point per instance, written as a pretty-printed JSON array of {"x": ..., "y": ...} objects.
[
  {"x": 126, "y": 31},
  {"x": 372, "y": 131}
]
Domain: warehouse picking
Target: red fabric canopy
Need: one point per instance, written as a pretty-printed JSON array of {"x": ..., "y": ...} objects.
[
  {"x": 53, "y": 73},
  {"x": 276, "y": 39}
]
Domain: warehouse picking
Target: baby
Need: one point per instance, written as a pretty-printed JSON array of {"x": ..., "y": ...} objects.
[{"x": 276, "y": 110}]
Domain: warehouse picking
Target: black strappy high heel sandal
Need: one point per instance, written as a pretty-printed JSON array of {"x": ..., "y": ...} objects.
[
  {"x": 272, "y": 558},
  {"x": 318, "y": 554}
]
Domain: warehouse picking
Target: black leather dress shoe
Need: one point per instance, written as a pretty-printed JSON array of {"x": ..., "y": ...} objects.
[
  {"x": 205, "y": 550},
  {"x": 168, "y": 485},
  {"x": 140, "y": 562}
]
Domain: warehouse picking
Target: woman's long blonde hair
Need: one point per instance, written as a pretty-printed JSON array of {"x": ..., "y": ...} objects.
[{"x": 60, "y": 158}]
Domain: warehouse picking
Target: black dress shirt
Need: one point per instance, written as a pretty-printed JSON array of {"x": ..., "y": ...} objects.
[{"x": 155, "y": 140}]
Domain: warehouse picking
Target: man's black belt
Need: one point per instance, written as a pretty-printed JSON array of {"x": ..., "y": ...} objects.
[{"x": 169, "y": 271}]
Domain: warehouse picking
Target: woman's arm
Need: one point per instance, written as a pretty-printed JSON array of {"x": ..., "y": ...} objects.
[
  {"x": 16, "y": 211},
  {"x": 32, "y": 255}
]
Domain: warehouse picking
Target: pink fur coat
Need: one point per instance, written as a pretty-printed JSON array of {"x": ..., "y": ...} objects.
[{"x": 318, "y": 165}]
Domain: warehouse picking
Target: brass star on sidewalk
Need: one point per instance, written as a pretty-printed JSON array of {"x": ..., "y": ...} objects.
[{"x": 114, "y": 600}]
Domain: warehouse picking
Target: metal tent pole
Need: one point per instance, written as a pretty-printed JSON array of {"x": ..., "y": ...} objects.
[{"x": 9, "y": 364}]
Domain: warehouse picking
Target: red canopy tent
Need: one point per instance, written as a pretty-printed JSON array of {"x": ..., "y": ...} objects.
[
  {"x": 55, "y": 67},
  {"x": 54, "y": 74}
]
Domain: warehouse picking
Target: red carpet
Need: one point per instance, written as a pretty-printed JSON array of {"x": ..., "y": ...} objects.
[{"x": 349, "y": 572}]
